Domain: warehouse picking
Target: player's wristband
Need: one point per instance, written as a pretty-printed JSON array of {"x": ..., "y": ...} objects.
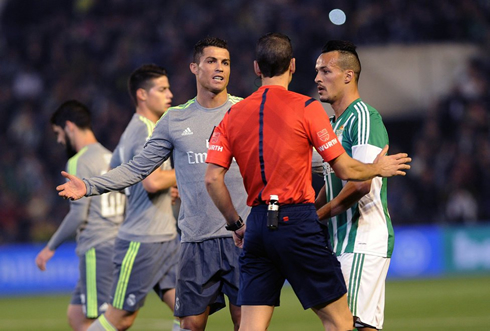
[{"x": 235, "y": 226}]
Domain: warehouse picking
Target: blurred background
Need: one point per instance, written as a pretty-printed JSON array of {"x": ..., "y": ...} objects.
[{"x": 426, "y": 68}]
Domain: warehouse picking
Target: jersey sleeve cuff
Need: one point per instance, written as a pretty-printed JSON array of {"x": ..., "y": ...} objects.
[{"x": 87, "y": 187}]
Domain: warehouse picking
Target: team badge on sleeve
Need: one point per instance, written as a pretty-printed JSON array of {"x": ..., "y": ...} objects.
[
  {"x": 215, "y": 137},
  {"x": 323, "y": 135}
]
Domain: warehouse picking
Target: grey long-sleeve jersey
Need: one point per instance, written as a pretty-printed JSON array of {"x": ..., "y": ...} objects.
[
  {"x": 149, "y": 217},
  {"x": 184, "y": 131},
  {"x": 96, "y": 220}
]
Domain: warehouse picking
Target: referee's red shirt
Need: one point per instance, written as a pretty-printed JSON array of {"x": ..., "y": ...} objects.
[{"x": 271, "y": 134}]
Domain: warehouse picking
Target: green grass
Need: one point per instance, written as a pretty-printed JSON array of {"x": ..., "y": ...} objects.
[{"x": 432, "y": 305}]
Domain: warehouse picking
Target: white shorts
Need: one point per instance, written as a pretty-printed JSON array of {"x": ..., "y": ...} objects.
[{"x": 365, "y": 277}]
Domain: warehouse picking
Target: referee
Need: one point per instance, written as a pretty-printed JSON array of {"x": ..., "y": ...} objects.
[{"x": 271, "y": 134}]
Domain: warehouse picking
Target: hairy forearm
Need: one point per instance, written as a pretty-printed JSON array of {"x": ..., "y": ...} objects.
[
  {"x": 216, "y": 187},
  {"x": 347, "y": 168},
  {"x": 384, "y": 165},
  {"x": 222, "y": 199}
]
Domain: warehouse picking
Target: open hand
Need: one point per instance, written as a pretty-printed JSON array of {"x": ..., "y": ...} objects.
[
  {"x": 73, "y": 189},
  {"x": 392, "y": 165}
]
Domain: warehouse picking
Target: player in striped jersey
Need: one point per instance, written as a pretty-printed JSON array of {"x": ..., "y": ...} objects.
[
  {"x": 95, "y": 220},
  {"x": 357, "y": 212},
  {"x": 147, "y": 245},
  {"x": 270, "y": 135}
]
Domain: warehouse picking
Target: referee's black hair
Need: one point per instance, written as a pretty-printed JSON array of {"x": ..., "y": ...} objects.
[
  {"x": 73, "y": 111},
  {"x": 273, "y": 54},
  {"x": 348, "y": 49}
]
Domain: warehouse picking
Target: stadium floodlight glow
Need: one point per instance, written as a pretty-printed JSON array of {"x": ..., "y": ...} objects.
[{"x": 337, "y": 16}]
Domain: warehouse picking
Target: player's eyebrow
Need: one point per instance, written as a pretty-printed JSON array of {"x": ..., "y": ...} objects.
[{"x": 216, "y": 59}]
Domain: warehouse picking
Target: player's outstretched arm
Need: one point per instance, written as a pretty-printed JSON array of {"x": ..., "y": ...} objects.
[
  {"x": 73, "y": 189},
  {"x": 43, "y": 257},
  {"x": 384, "y": 165}
]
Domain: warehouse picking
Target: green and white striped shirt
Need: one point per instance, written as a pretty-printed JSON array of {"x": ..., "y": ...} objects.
[{"x": 366, "y": 227}]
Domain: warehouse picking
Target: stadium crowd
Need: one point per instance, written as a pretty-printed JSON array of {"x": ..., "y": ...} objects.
[{"x": 56, "y": 50}]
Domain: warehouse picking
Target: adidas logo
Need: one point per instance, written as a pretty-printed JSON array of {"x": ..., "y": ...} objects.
[{"x": 187, "y": 132}]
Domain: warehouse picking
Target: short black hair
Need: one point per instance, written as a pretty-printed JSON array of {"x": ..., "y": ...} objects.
[
  {"x": 73, "y": 111},
  {"x": 349, "y": 58},
  {"x": 141, "y": 78},
  {"x": 273, "y": 54},
  {"x": 208, "y": 42}
]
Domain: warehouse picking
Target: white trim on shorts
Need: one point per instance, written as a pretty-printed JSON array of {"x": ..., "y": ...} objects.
[{"x": 365, "y": 277}]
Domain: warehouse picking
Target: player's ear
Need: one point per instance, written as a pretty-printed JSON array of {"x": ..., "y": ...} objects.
[
  {"x": 141, "y": 94},
  {"x": 69, "y": 125},
  {"x": 193, "y": 67},
  {"x": 349, "y": 76},
  {"x": 292, "y": 66},
  {"x": 257, "y": 69}
]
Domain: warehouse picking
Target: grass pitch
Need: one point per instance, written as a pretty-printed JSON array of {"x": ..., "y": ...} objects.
[{"x": 432, "y": 305}]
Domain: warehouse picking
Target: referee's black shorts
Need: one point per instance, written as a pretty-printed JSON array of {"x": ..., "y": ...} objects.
[{"x": 298, "y": 251}]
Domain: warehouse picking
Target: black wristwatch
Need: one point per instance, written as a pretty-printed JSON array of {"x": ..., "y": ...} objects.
[{"x": 235, "y": 226}]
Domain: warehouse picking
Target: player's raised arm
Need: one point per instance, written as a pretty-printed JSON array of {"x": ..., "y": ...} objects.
[{"x": 73, "y": 189}]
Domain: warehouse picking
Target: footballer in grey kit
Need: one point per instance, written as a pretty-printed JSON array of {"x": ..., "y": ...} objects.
[
  {"x": 185, "y": 129},
  {"x": 208, "y": 266},
  {"x": 96, "y": 220},
  {"x": 149, "y": 226},
  {"x": 149, "y": 216},
  {"x": 101, "y": 215},
  {"x": 147, "y": 245}
]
